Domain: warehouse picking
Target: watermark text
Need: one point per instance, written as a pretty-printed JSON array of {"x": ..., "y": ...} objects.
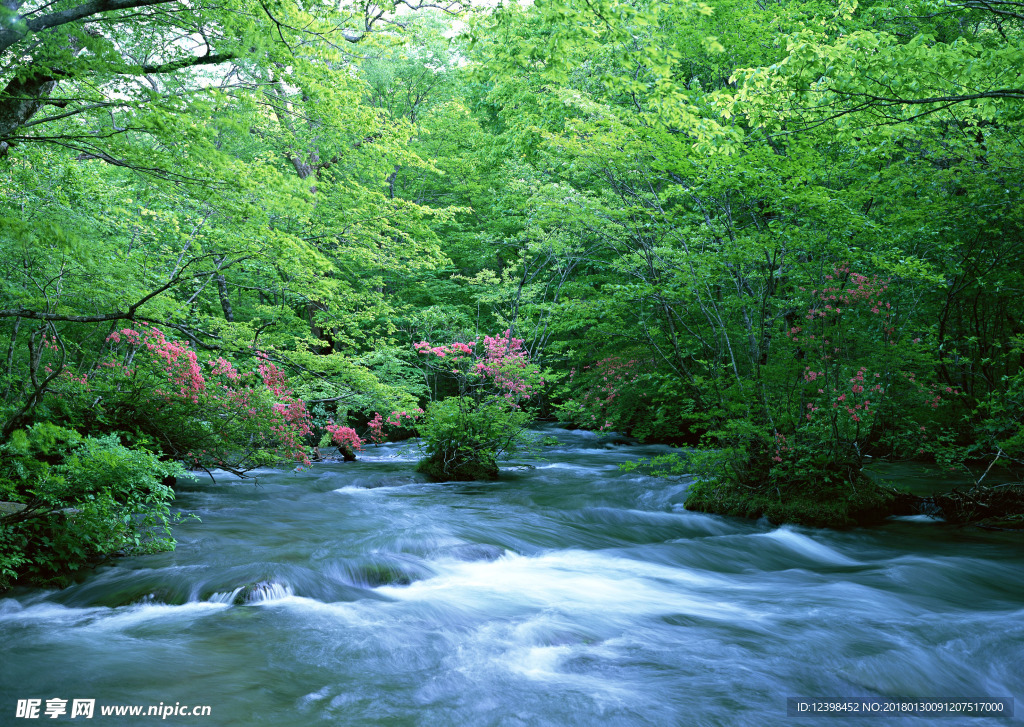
[{"x": 87, "y": 709}]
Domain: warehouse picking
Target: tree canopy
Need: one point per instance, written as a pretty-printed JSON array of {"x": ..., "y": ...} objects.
[{"x": 788, "y": 233}]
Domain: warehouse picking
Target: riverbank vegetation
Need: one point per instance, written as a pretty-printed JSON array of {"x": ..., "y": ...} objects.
[{"x": 788, "y": 235}]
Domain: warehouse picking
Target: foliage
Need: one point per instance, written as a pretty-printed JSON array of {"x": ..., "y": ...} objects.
[
  {"x": 607, "y": 395},
  {"x": 786, "y": 233},
  {"x": 832, "y": 500},
  {"x": 484, "y": 417},
  {"x": 885, "y": 64},
  {"x": 742, "y": 481},
  {"x": 631, "y": 395},
  {"x": 1000, "y": 423},
  {"x": 85, "y": 498},
  {"x": 463, "y": 438},
  {"x": 797, "y": 251},
  {"x": 398, "y": 425},
  {"x": 864, "y": 387},
  {"x": 207, "y": 414}
]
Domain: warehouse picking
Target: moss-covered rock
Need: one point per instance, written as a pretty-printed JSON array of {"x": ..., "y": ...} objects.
[
  {"x": 818, "y": 503},
  {"x": 442, "y": 469}
]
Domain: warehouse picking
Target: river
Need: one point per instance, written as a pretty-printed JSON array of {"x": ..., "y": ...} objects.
[{"x": 567, "y": 593}]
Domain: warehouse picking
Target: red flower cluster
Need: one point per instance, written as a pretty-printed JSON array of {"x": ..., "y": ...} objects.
[
  {"x": 503, "y": 367},
  {"x": 253, "y": 410},
  {"x": 344, "y": 437}
]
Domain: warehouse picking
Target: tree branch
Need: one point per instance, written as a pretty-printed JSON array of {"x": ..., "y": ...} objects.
[
  {"x": 130, "y": 314},
  {"x": 206, "y": 60},
  {"x": 20, "y": 28}
]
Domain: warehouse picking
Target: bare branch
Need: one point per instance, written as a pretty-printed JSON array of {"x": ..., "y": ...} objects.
[{"x": 131, "y": 313}]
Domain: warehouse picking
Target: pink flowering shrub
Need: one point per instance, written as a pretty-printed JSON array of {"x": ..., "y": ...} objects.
[
  {"x": 863, "y": 382},
  {"x": 492, "y": 382},
  {"x": 846, "y": 379},
  {"x": 202, "y": 411},
  {"x": 396, "y": 424},
  {"x": 495, "y": 367},
  {"x": 345, "y": 439},
  {"x": 605, "y": 395}
]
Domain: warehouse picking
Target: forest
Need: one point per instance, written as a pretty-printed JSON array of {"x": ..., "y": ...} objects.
[{"x": 783, "y": 236}]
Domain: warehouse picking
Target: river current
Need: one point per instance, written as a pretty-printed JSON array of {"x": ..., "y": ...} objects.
[{"x": 566, "y": 593}]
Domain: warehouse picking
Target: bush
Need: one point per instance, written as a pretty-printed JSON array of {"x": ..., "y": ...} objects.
[
  {"x": 846, "y": 379},
  {"x": 463, "y": 438},
  {"x": 631, "y": 396},
  {"x": 160, "y": 395},
  {"x": 344, "y": 438},
  {"x": 998, "y": 433},
  {"x": 85, "y": 498},
  {"x": 464, "y": 435},
  {"x": 762, "y": 476}
]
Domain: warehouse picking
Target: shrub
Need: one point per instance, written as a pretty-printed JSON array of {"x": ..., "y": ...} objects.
[
  {"x": 345, "y": 439},
  {"x": 464, "y": 434},
  {"x": 853, "y": 381},
  {"x": 205, "y": 413},
  {"x": 85, "y": 498},
  {"x": 999, "y": 418},
  {"x": 463, "y": 438},
  {"x": 743, "y": 481},
  {"x": 845, "y": 380},
  {"x": 398, "y": 426}
]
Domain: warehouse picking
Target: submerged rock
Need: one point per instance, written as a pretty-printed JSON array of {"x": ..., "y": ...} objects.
[
  {"x": 378, "y": 570},
  {"x": 473, "y": 551},
  {"x": 260, "y": 591}
]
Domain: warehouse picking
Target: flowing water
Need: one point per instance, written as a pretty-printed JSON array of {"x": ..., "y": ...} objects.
[{"x": 567, "y": 593}]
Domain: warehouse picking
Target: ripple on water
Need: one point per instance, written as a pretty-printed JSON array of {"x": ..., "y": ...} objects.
[
  {"x": 569, "y": 594},
  {"x": 807, "y": 547},
  {"x": 592, "y": 586}
]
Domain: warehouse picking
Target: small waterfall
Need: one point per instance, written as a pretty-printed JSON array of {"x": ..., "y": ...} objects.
[{"x": 253, "y": 593}]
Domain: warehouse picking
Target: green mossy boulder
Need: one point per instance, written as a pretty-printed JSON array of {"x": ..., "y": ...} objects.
[
  {"x": 823, "y": 503},
  {"x": 442, "y": 469}
]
